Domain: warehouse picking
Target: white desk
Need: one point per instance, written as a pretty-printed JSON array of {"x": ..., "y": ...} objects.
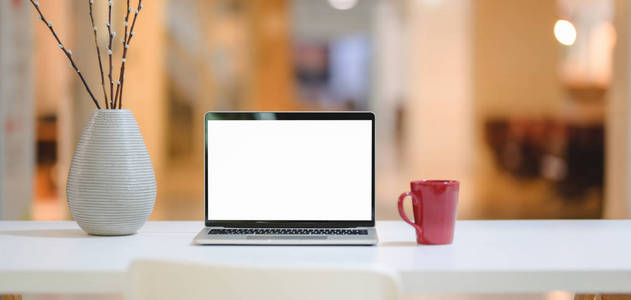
[{"x": 486, "y": 257}]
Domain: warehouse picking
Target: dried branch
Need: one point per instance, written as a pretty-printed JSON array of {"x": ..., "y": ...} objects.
[
  {"x": 126, "y": 40},
  {"x": 124, "y": 59},
  {"x": 67, "y": 52},
  {"x": 109, "y": 49},
  {"x": 98, "y": 54}
]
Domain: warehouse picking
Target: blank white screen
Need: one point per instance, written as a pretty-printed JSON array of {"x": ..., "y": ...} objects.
[{"x": 290, "y": 170}]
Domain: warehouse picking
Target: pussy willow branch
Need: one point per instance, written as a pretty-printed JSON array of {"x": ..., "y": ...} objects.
[
  {"x": 126, "y": 47},
  {"x": 98, "y": 54},
  {"x": 109, "y": 50},
  {"x": 124, "y": 59},
  {"x": 67, "y": 52}
]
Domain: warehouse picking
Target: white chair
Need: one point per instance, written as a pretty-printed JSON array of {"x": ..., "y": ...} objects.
[{"x": 157, "y": 280}]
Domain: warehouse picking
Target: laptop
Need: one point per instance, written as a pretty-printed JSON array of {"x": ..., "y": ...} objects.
[{"x": 289, "y": 178}]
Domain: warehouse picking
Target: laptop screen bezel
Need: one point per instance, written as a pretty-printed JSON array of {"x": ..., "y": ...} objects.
[{"x": 250, "y": 115}]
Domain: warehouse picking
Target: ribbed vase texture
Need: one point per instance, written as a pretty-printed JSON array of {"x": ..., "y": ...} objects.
[{"x": 111, "y": 186}]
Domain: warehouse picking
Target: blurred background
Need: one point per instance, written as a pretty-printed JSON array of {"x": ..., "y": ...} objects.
[{"x": 524, "y": 101}]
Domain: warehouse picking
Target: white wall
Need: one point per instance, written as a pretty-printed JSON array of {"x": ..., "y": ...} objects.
[
  {"x": 16, "y": 110},
  {"x": 389, "y": 67},
  {"x": 440, "y": 113},
  {"x": 317, "y": 20}
]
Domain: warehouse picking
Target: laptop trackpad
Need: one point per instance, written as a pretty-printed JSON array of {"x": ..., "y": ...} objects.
[{"x": 286, "y": 237}]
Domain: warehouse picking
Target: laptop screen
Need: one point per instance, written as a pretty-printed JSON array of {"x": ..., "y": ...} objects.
[{"x": 289, "y": 170}]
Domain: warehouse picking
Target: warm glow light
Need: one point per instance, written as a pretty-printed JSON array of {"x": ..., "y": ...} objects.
[
  {"x": 565, "y": 32},
  {"x": 343, "y": 4}
]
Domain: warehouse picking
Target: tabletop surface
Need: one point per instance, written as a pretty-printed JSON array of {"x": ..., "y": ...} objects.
[{"x": 486, "y": 256}]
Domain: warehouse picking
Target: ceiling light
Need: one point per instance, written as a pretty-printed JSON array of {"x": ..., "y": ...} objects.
[
  {"x": 343, "y": 4},
  {"x": 565, "y": 32}
]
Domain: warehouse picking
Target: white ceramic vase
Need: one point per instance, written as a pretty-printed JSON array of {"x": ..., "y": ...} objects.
[{"x": 111, "y": 186}]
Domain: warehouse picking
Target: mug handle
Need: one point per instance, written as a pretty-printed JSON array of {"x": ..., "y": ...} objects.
[{"x": 415, "y": 202}]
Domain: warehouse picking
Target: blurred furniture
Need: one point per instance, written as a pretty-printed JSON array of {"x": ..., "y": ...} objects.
[
  {"x": 162, "y": 280},
  {"x": 583, "y": 256},
  {"x": 550, "y": 169}
]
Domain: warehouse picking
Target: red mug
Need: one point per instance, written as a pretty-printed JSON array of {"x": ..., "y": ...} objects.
[{"x": 434, "y": 203}]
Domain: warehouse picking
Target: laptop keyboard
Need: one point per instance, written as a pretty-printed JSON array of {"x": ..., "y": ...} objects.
[{"x": 289, "y": 231}]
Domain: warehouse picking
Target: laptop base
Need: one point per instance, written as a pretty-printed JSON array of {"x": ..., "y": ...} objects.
[{"x": 203, "y": 238}]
